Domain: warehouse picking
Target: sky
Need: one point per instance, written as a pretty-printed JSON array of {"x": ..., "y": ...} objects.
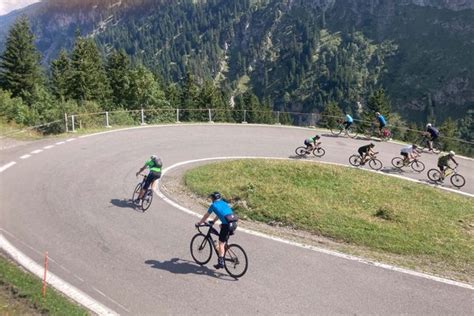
[{"x": 7, "y": 6}]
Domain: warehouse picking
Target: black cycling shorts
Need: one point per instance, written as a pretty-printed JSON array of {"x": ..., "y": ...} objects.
[
  {"x": 362, "y": 152},
  {"x": 404, "y": 154},
  {"x": 152, "y": 176},
  {"x": 224, "y": 233}
]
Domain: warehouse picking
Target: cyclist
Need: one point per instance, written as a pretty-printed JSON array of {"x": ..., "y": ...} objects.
[
  {"x": 365, "y": 152},
  {"x": 409, "y": 152},
  {"x": 432, "y": 133},
  {"x": 348, "y": 121},
  {"x": 154, "y": 164},
  {"x": 223, "y": 212},
  {"x": 443, "y": 163},
  {"x": 311, "y": 143},
  {"x": 381, "y": 120}
]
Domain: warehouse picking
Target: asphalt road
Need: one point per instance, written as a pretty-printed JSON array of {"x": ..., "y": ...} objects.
[{"x": 72, "y": 201}]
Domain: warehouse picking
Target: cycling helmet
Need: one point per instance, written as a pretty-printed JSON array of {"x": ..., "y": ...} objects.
[
  {"x": 414, "y": 146},
  {"x": 215, "y": 196},
  {"x": 377, "y": 113},
  {"x": 372, "y": 145},
  {"x": 317, "y": 137},
  {"x": 153, "y": 157},
  {"x": 452, "y": 153},
  {"x": 428, "y": 125}
]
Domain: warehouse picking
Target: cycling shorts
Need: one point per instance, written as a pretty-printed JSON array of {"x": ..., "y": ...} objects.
[
  {"x": 308, "y": 143},
  {"x": 152, "y": 176},
  {"x": 404, "y": 154},
  {"x": 224, "y": 233},
  {"x": 362, "y": 152}
]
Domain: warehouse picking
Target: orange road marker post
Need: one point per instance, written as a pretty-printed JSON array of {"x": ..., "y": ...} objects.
[{"x": 43, "y": 290}]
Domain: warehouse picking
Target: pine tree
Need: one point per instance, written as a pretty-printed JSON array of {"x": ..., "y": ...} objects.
[
  {"x": 88, "y": 81},
  {"x": 378, "y": 102},
  {"x": 61, "y": 76},
  {"x": 20, "y": 71},
  {"x": 448, "y": 131},
  {"x": 331, "y": 114},
  {"x": 118, "y": 74}
]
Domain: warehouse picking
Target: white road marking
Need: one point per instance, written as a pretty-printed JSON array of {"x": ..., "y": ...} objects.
[
  {"x": 305, "y": 246},
  {"x": 25, "y": 156},
  {"x": 8, "y": 165},
  {"x": 37, "y": 151},
  {"x": 48, "y": 147},
  {"x": 70, "y": 139},
  {"x": 115, "y": 302},
  {"x": 54, "y": 281},
  {"x": 60, "y": 143}
]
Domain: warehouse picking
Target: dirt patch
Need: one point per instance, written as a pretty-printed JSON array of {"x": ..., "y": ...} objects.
[{"x": 173, "y": 186}]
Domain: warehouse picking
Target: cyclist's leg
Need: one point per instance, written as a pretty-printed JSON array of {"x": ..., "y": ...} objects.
[
  {"x": 443, "y": 171},
  {"x": 148, "y": 181},
  {"x": 155, "y": 181},
  {"x": 223, "y": 237},
  {"x": 405, "y": 158}
]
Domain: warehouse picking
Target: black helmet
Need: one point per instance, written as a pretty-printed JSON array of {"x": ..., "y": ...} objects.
[
  {"x": 317, "y": 137},
  {"x": 372, "y": 145},
  {"x": 215, "y": 196}
]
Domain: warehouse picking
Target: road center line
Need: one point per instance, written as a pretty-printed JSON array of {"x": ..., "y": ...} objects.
[
  {"x": 300, "y": 245},
  {"x": 25, "y": 156},
  {"x": 8, "y": 165},
  {"x": 37, "y": 151},
  {"x": 48, "y": 147}
]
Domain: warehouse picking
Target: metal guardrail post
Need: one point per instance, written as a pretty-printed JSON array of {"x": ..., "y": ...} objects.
[
  {"x": 65, "y": 122},
  {"x": 107, "y": 120},
  {"x": 278, "y": 118},
  {"x": 143, "y": 117},
  {"x": 245, "y": 117},
  {"x": 177, "y": 115},
  {"x": 72, "y": 124},
  {"x": 210, "y": 116}
]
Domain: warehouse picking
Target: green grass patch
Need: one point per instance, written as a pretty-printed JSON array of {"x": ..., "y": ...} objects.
[
  {"x": 22, "y": 291},
  {"x": 381, "y": 213}
]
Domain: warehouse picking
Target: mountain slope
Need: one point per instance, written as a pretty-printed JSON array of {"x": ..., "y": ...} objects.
[{"x": 298, "y": 55}]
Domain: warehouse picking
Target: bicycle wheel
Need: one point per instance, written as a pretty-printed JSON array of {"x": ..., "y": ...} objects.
[
  {"x": 301, "y": 151},
  {"x": 434, "y": 175},
  {"x": 397, "y": 162},
  {"x": 319, "y": 152},
  {"x": 417, "y": 166},
  {"x": 457, "y": 180},
  {"x": 336, "y": 131},
  {"x": 201, "y": 249},
  {"x": 235, "y": 261},
  {"x": 355, "y": 160},
  {"x": 147, "y": 198},
  {"x": 351, "y": 132},
  {"x": 136, "y": 192},
  {"x": 375, "y": 164}
]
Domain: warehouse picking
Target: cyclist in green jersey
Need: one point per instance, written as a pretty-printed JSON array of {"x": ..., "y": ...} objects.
[
  {"x": 154, "y": 164},
  {"x": 311, "y": 143},
  {"x": 443, "y": 162}
]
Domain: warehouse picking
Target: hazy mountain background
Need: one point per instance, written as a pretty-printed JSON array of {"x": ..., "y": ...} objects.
[{"x": 298, "y": 55}]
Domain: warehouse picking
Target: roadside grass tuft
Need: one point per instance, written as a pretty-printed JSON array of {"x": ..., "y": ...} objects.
[{"x": 380, "y": 213}]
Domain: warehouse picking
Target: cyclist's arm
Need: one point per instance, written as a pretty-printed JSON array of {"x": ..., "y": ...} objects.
[
  {"x": 203, "y": 219},
  {"x": 454, "y": 161},
  {"x": 141, "y": 169}
]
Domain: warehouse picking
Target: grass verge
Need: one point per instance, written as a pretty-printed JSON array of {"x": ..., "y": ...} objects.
[
  {"x": 20, "y": 294},
  {"x": 379, "y": 213}
]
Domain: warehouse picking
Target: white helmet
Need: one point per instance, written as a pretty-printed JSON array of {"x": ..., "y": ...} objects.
[
  {"x": 428, "y": 125},
  {"x": 452, "y": 153},
  {"x": 153, "y": 157}
]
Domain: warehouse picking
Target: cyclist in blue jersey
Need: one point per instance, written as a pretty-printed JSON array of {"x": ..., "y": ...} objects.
[
  {"x": 226, "y": 215},
  {"x": 154, "y": 164},
  {"x": 381, "y": 120},
  {"x": 348, "y": 121}
]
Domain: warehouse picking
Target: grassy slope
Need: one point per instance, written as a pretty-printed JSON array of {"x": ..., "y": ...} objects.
[
  {"x": 381, "y": 213},
  {"x": 20, "y": 293}
]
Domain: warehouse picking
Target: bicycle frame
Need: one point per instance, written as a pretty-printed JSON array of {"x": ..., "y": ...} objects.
[{"x": 211, "y": 231}]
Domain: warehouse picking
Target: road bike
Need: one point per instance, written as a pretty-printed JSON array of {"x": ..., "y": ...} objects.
[
  {"x": 341, "y": 128},
  {"x": 373, "y": 131},
  {"x": 415, "y": 164},
  {"x": 456, "y": 179},
  {"x": 202, "y": 244},
  {"x": 317, "y": 151},
  {"x": 423, "y": 145},
  {"x": 145, "y": 202},
  {"x": 374, "y": 163}
]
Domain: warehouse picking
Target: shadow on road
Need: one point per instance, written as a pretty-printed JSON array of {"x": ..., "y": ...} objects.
[
  {"x": 125, "y": 203},
  {"x": 180, "y": 266}
]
